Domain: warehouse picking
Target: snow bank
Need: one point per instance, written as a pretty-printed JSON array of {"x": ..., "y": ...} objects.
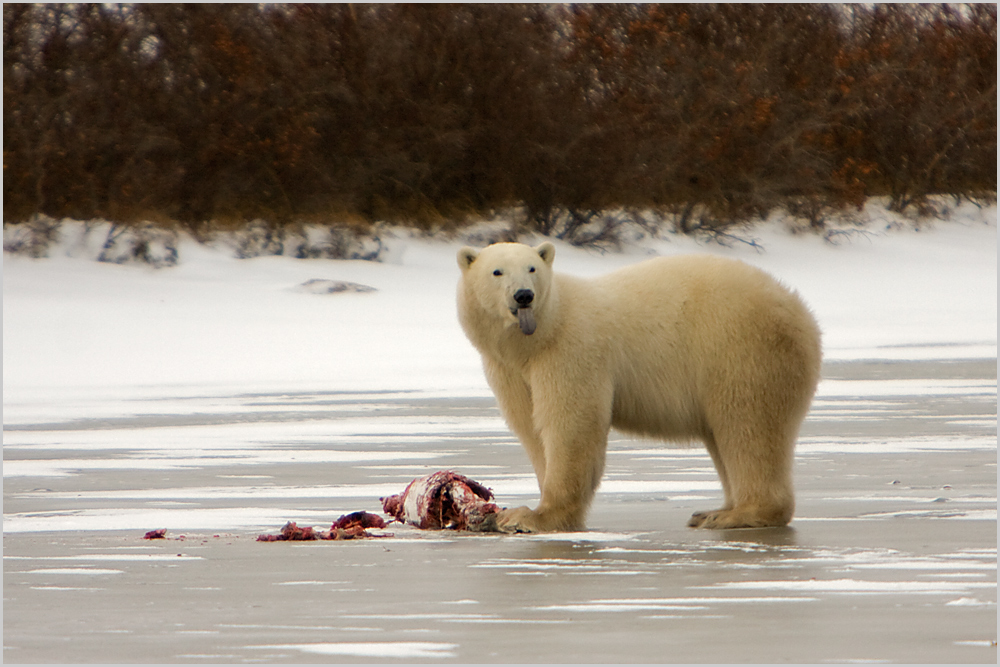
[{"x": 75, "y": 328}]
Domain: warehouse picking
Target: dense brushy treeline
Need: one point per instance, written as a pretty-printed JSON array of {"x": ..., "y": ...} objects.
[{"x": 219, "y": 114}]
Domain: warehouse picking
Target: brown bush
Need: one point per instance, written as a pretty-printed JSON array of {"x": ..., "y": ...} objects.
[
  {"x": 919, "y": 101},
  {"x": 430, "y": 114}
]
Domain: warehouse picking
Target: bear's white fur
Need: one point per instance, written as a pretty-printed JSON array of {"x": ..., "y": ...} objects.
[{"x": 691, "y": 347}]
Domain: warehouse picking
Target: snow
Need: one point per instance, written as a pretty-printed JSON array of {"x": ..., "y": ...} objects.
[
  {"x": 396, "y": 650},
  {"x": 77, "y": 330}
]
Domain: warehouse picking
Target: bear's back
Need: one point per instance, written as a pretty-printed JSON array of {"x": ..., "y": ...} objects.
[
  {"x": 697, "y": 291},
  {"x": 679, "y": 325}
]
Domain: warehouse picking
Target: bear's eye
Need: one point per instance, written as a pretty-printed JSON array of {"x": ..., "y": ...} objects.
[
  {"x": 531, "y": 270},
  {"x": 498, "y": 272}
]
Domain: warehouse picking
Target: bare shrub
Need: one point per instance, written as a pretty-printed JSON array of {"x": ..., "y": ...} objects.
[
  {"x": 259, "y": 238},
  {"x": 146, "y": 244},
  {"x": 344, "y": 243},
  {"x": 31, "y": 238}
]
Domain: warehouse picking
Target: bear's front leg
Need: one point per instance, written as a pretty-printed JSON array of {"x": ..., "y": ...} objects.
[
  {"x": 566, "y": 513},
  {"x": 574, "y": 435},
  {"x": 564, "y": 504}
]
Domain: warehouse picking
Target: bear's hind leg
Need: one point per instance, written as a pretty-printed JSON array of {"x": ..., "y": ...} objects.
[
  {"x": 720, "y": 468},
  {"x": 754, "y": 414},
  {"x": 755, "y": 471}
]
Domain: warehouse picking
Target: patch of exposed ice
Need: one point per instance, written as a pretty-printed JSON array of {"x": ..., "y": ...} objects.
[
  {"x": 855, "y": 586},
  {"x": 393, "y": 650}
]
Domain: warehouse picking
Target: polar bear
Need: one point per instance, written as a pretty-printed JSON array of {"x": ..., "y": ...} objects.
[{"x": 682, "y": 348}]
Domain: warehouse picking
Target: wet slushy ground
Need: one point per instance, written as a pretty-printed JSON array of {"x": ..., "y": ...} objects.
[{"x": 891, "y": 556}]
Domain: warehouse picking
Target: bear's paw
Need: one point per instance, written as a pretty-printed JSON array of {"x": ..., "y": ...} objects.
[{"x": 741, "y": 517}]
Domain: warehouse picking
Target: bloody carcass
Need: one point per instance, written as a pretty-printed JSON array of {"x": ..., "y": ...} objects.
[{"x": 444, "y": 499}]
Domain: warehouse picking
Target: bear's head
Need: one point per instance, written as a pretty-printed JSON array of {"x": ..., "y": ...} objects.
[{"x": 507, "y": 282}]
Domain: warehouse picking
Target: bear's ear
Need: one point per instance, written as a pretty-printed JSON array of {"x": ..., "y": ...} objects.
[
  {"x": 466, "y": 256},
  {"x": 547, "y": 252}
]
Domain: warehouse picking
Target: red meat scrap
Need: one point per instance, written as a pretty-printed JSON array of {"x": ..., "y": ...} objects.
[
  {"x": 354, "y": 525},
  {"x": 348, "y": 527},
  {"x": 444, "y": 499},
  {"x": 290, "y": 532},
  {"x": 158, "y": 534}
]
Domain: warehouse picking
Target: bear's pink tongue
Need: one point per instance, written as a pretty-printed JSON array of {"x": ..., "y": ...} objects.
[{"x": 526, "y": 318}]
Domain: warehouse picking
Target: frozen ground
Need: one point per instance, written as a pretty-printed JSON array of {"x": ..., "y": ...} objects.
[{"x": 218, "y": 400}]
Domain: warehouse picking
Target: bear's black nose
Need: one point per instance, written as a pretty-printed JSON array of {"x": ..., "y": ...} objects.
[{"x": 524, "y": 297}]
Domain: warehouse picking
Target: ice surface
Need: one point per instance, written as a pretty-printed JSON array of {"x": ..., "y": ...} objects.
[{"x": 396, "y": 650}]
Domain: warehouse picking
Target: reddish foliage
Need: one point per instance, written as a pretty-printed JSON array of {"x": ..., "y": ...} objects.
[{"x": 388, "y": 111}]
